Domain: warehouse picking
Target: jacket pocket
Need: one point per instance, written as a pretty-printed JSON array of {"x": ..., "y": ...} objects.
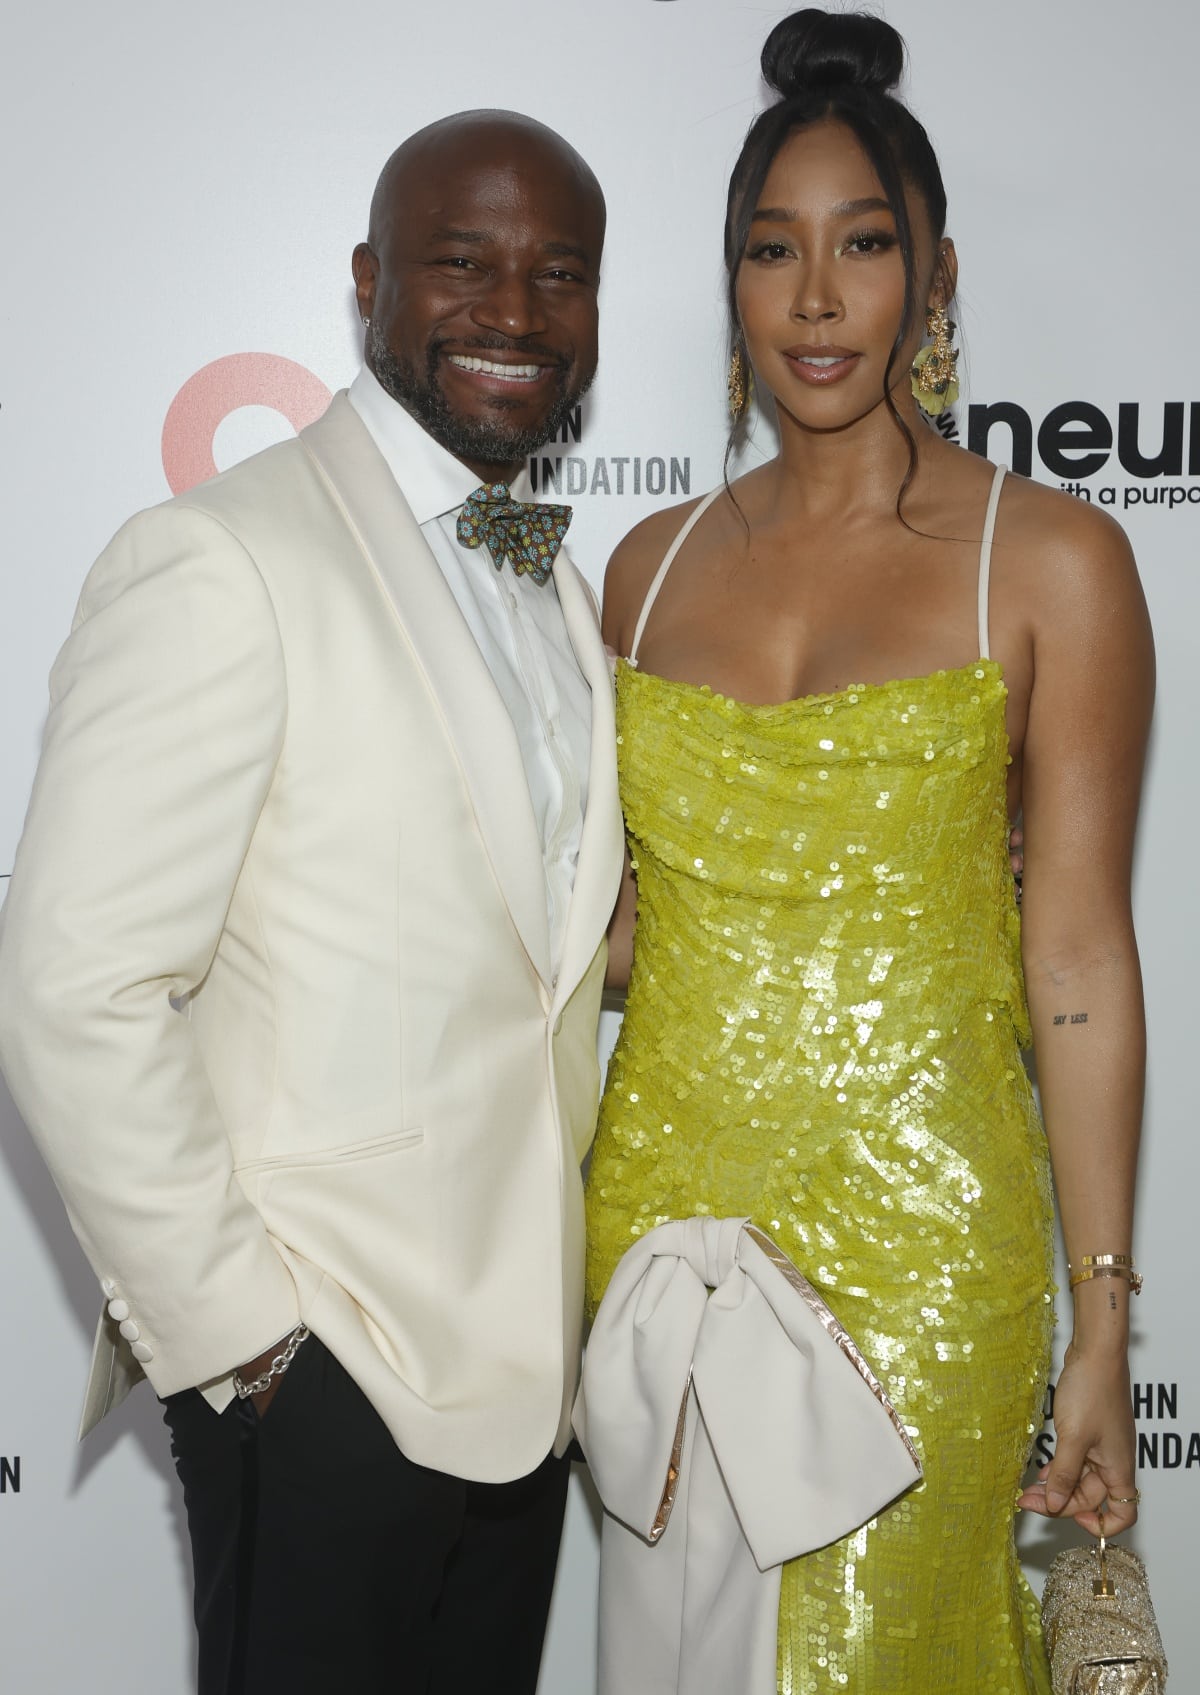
[
  {"x": 344, "y": 1155},
  {"x": 364, "y": 1216}
]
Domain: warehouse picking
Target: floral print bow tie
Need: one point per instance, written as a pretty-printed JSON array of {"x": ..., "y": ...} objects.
[{"x": 527, "y": 534}]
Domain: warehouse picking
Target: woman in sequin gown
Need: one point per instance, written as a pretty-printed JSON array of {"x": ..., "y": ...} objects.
[{"x": 819, "y": 760}]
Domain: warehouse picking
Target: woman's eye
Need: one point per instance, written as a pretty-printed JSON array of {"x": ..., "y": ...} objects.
[
  {"x": 869, "y": 241},
  {"x": 770, "y": 251}
]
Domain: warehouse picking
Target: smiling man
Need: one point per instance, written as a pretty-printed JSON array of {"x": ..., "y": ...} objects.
[
  {"x": 301, "y": 963},
  {"x": 478, "y": 280}
]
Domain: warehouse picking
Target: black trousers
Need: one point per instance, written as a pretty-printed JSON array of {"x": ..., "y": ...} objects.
[{"x": 328, "y": 1564}]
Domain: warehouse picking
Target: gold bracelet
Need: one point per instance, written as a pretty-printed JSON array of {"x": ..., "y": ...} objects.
[
  {"x": 1132, "y": 1277},
  {"x": 1107, "y": 1259}
]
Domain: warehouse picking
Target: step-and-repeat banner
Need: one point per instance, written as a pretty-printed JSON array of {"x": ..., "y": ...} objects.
[{"x": 182, "y": 188}]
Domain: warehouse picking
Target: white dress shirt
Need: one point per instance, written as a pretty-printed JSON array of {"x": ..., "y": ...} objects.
[{"x": 519, "y": 628}]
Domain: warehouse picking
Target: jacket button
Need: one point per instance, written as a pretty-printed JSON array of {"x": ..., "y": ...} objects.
[
  {"x": 130, "y": 1330},
  {"x": 118, "y": 1309},
  {"x": 142, "y": 1352}
]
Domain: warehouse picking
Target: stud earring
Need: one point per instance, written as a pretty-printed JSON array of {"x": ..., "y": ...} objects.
[
  {"x": 935, "y": 368},
  {"x": 366, "y": 323},
  {"x": 740, "y": 383}
]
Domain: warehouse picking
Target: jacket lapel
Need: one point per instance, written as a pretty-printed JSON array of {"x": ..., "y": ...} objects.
[
  {"x": 602, "y": 846},
  {"x": 477, "y": 722}
]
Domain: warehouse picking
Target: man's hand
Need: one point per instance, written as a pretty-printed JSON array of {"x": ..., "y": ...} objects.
[
  {"x": 255, "y": 1368},
  {"x": 262, "y": 1363}
]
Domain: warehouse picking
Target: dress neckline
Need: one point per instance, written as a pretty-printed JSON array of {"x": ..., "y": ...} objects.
[{"x": 978, "y": 668}]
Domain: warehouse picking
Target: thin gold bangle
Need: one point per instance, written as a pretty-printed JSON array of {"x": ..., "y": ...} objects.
[{"x": 1133, "y": 1278}]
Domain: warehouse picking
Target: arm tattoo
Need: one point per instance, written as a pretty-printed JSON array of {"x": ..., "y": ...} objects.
[{"x": 1075, "y": 1018}]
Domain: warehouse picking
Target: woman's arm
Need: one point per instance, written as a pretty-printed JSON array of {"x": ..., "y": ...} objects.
[
  {"x": 620, "y": 931},
  {"x": 1085, "y": 743}
]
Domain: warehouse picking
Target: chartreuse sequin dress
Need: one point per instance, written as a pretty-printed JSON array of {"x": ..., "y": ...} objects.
[{"x": 822, "y": 1032}]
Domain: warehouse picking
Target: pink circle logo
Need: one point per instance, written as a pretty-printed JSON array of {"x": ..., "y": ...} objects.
[{"x": 216, "y": 390}]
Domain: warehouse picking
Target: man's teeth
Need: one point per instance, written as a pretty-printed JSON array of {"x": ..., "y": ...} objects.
[
  {"x": 822, "y": 363},
  {"x": 468, "y": 362}
]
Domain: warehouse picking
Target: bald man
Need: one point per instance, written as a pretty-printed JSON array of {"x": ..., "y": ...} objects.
[{"x": 302, "y": 957}]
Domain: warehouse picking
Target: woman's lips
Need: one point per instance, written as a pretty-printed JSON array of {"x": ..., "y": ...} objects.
[{"x": 820, "y": 368}]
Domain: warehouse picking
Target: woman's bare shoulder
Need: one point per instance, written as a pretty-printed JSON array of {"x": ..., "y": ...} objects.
[
  {"x": 631, "y": 569},
  {"x": 1071, "y": 570},
  {"x": 1064, "y": 547}
]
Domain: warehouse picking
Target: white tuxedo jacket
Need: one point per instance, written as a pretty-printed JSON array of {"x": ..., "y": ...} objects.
[{"x": 275, "y": 987}]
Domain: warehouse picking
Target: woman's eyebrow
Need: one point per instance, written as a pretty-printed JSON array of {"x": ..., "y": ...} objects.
[{"x": 843, "y": 209}]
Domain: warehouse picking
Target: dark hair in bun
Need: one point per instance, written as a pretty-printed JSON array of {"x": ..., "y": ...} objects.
[
  {"x": 814, "y": 49},
  {"x": 841, "y": 66}
]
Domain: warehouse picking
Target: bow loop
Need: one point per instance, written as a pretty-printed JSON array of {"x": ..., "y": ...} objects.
[{"x": 526, "y": 533}]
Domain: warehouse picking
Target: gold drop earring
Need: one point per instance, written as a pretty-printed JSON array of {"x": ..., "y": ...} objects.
[
  {"x": 934, "y": 370},
  {"x": 740, "y": 383}
]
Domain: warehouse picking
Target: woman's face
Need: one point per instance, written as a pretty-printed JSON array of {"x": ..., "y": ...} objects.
[{"x": 820, "y": 289}]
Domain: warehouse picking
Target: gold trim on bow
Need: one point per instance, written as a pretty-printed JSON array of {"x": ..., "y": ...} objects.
[
  {"x": 674, "y": 1465},
  {"x": 829, "y": 1322}
]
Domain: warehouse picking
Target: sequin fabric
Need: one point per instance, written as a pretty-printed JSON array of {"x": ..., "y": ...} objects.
[{"x": 822, "y": 1032}]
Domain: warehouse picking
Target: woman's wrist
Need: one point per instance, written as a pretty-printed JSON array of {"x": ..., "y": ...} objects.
[
  {"x": 1098, "y": 1267},
  {"x": 1101, "y": 1324}
]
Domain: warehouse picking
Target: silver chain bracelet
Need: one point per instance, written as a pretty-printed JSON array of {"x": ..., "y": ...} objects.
[{"x": 276, "y": 1368}]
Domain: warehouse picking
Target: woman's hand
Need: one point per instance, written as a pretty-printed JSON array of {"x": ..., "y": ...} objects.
[{"x": 1095, "y": 1448}]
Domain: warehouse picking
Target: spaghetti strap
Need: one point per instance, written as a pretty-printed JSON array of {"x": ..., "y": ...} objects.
[
  {"x": 985, "y": 559},
  {"x": 660, "y": 575}
]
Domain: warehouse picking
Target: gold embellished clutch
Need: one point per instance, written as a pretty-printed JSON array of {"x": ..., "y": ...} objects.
[{"x": 1098, "y": 1620}]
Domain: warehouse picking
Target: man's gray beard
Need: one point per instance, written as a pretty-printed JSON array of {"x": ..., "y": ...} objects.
[{"x": 480, "y": 441}]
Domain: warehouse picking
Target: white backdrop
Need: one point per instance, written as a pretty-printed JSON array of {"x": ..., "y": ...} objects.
[{"x": 182, "y": 187}]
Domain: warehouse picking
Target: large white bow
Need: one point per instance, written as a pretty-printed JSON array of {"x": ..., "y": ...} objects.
[{"x": 730, "y": 1424}]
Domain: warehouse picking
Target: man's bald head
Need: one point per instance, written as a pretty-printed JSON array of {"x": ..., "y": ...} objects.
[
  {"x": 479, "y": 281},
  {"x": 475, "y": 138}
]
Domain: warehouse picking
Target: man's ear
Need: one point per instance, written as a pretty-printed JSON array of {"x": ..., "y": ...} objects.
[{"x": 365, "y": 269}]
